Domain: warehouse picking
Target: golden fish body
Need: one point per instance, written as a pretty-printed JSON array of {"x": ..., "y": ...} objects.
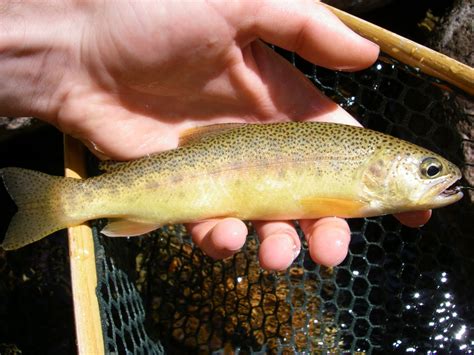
[{"x": 248, "y": 171}]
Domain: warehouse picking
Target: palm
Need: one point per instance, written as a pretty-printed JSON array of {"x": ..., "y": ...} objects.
[{"x": 151, "y": 77}]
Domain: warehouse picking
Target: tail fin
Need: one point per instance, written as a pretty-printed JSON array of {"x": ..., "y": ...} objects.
[{"x": 38, "y": 198}]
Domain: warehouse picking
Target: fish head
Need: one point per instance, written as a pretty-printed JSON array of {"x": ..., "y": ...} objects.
[
  {"x": 426, "y": 180},
  {"x": 406, "y": 177}
]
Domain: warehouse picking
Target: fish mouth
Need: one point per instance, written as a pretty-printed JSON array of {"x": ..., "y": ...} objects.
[
  {"x": 451, "y": 190},
  {"x": 449, "y": 193}
]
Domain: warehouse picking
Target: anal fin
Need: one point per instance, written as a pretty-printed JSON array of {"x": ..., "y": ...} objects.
[{"x": 127, "y": 228}]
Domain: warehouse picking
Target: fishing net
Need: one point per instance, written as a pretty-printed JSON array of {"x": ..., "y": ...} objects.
[{"x": 399, "y": 289}]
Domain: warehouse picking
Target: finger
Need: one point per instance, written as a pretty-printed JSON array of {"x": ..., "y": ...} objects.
[
  {"x": 219, "y": 238},
  {"x": 293, "y": 95},
  {"x": 328, "y": 239},
  {"x": 279, "y": 244},
  {"x": 316, "y": 34},
  {"x": 414, "y": 219},
  {"x": 94, "y": 148}
]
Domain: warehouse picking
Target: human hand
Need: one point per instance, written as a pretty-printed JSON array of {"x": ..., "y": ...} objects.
[{"x": 128, "y": 77}]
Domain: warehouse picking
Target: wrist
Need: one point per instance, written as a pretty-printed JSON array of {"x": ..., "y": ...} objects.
[{"x": 39, "y": 50}]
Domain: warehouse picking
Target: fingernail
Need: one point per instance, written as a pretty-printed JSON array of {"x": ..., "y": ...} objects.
[
  {"x": 296, "y": 252},
  {"x": 372, "y": 44},
  {"x": 286, "y": 246},
  {"x": 95, "y": 149},
  {"x": 235, "y": 234}
]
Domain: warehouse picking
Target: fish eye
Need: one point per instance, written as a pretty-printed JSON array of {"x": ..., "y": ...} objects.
[{"x": 431, "y": 168}]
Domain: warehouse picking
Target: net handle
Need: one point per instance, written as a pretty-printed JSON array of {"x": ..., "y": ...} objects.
[
  {"x": 83, "y": 265},
  {"x": 409, "y": 52}
]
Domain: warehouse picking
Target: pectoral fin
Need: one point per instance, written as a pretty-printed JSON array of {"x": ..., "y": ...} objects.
[
  {"x": 127, "y": 228},
  {"x": 325, "y": 207}
]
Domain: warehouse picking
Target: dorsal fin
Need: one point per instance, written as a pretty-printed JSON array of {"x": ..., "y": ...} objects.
[
  {"x": 110, "y": 165},
  {"x": 195, "y": 134}
]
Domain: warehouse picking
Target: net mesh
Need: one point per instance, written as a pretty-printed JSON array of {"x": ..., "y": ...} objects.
[{"x": 399, "y": 289}]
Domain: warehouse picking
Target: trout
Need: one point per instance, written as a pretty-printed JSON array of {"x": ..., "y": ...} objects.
[{"x": 249, "y": 171}]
